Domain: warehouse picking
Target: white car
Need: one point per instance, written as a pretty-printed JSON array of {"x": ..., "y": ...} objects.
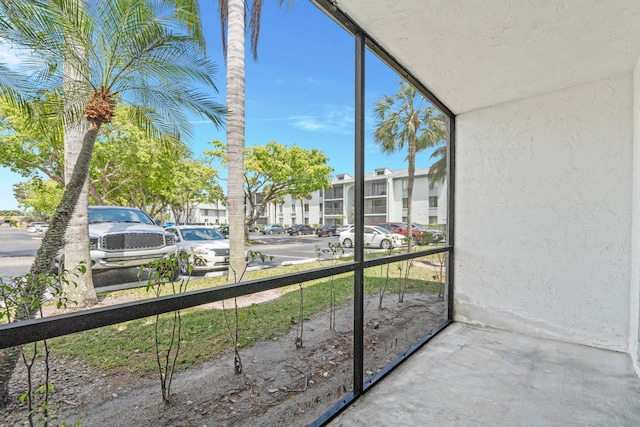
[
  {"x": 376, "y": 237},
  {"x": 205, "y": 248},
  {"x": 34, "y": 227},
  {"x": 42, "y": 228},
  {"x": 343, "y": 227}
]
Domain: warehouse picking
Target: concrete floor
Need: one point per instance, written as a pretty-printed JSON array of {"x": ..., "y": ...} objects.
[{"x": 471, "y": 376}]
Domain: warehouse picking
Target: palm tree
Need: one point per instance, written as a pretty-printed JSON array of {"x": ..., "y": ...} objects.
[
  {"x": 77, "y": 233},
  {"x": 76, "y": 250},
  {"x": 232, "y": 20},
  {"x": 407, "y": 120},
  {"x": 135, "y": 55},
  {"x": 438, "y": 170}
]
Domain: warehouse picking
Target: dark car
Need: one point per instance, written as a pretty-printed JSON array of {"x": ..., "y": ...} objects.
[
  {"x": 327, "y": 230},
  {"x": 419, "y": 236},
  {"x": 435, "y": 234},
  {"x": 272, "y": 229},
  {"x": 301, "y": 229}
]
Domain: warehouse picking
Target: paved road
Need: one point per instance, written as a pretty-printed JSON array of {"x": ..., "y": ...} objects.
[
  {"x": 17, "y": 249},
  {"x": 18, "y": 242}
]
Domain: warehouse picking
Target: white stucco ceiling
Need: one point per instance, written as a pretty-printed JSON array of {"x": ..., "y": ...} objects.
[{"x": 477, "y": 53}]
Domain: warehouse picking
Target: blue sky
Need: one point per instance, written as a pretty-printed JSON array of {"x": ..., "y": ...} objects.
[{"x": 299, "y": 91}]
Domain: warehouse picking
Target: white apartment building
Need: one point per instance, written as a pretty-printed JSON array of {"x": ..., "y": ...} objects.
[
  {"x": 207, "y": 213},
  {"x": 385, "y": 200}
]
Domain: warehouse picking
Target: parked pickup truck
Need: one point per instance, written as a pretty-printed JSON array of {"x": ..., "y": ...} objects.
[{"x": 122, "y": 237}]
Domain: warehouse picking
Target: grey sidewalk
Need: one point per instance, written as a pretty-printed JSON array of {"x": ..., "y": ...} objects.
[{"x": 471, "y": 376}]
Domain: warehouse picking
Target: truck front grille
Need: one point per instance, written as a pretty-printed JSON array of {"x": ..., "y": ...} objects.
[{"x": 132, "y": 241}]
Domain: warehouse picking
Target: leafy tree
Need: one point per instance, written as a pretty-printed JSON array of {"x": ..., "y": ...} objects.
[
  {"x": 132, "y": 169},
  {"x": 274, "y": 170},
  {"x": 128, "y": 167},
  {"x": 408, "y": 121},
  {"x": 137, "y": 54},
  {"x": 193, "y": 183},
  {"x": 232, "y": 19},
  {"x": 38, "y": 197},
  {"x": 134, "y": 57},
  {"x": 32, "y": 141}
]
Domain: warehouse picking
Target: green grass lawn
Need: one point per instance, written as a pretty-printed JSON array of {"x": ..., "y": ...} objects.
[{"x": 130, "y": 345}]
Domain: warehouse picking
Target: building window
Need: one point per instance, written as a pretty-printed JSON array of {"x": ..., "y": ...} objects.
[
  {"x": 280, "y": 207},
  {"x": 293, "y": 208},
  {"x": 306, "y": 207},
  {"x": 320, "y": 207},
  {"x": 433, "y": 220},
  {"x": 404, "y": 183},
  {"x": 334, "y": 192},
  {"x": 405, "y": 203},
  {"x": 205, "y": 212},
  {"x": 433, "y": 201},
  {"x": 378, "y": 188}
]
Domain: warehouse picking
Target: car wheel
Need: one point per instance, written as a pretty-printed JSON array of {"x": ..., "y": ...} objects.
[
  {"x": 415, "y": 241},
  {"x": 270, "y": 231},
  {"x": 299, "y": 233},
  {"x": 183, "y": 264},
  {"x": 385, "y": 244},
  {"x": 347, "y": 243}
]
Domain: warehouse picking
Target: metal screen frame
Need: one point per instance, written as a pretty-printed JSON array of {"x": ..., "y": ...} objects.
[{"x": 24, "y": 332}]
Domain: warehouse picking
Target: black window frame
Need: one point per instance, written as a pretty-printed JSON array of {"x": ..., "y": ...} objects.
[{"x": 28, "y": 331}]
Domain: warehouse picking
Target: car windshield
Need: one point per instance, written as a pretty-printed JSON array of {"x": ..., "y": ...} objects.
[
  {"x": 380, "y": 229},
  {"x": 201, "y": 234},
  {"x": 118, "y": 214}
]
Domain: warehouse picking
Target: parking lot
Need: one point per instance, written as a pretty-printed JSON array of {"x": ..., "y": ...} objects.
[
  {"x": 18, "y": 248},
  {"x": 288, "y": 249}
]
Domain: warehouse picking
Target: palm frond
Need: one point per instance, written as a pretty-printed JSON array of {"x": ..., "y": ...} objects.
[{"x": 146, "y": 52}]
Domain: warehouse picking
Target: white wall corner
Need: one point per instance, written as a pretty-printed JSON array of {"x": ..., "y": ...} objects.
[
  {"x": 634, "y": 323},
  {"x": 544, "y": 215}
]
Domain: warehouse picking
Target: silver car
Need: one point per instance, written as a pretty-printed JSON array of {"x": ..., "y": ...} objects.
[{"x": 201, "y": 246}]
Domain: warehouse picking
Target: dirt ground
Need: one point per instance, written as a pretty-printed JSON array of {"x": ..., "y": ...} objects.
[{"x": 281, "y": 386}]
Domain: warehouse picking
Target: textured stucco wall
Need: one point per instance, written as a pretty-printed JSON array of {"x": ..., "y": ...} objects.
[
  {"x": 543, "y": 214},
  {"x": 634, "y": 324}
]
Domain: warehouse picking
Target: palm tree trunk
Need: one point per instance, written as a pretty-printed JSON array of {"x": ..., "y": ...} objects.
[
  {"x": 235, "y": 136},
  {"x": 76, "y": 249},
  {"x": 52, "y": 242},
  {"x": 412, "y": 172}
]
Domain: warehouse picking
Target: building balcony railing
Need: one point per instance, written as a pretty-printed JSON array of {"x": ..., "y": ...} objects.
[
  {"x": 330, "y": 195},
  {"x": 375, "y": 193},
  {"x": 375, "y": 210},
  {"x": 329, "y": 211}
]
